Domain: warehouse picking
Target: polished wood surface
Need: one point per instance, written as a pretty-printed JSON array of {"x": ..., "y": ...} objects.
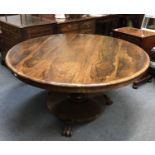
[
  {"x": 77, "y": 62},
  {"x": 22, "y": 21},
  {"x": 135, "y": 32}
]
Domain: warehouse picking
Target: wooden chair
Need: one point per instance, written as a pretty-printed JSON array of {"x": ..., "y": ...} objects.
[{"x": 143, "y": 37}]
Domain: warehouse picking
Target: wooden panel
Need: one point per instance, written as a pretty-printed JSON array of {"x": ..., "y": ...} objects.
[
  {"x": 148, "y": 43},
  {"x": 132, "y": 39},
  {"x": 87, "y": 31},
  {"x": 68, "y": 27},
  {"x": 10, "y": 28},
  {"x": 87, "y": 24},
  {"x": 77, "y": 27},
  {"x": 106, "y": 24},
  {"x": 38, "y": 31}
]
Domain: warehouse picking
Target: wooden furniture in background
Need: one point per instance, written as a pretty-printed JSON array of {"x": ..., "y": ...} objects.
[
  {"x": 132, "y": 20},
  {"x": 46, "y": 16},
  {"x": 77, "y": 65},
  {"x": 144, "y": 39},
  {"x": 106, "y": 24},
  {"x": 17, "y": 28},
  {"x": 77, "y": 25},
  {"x": 1, "y": 41},
  {"x": 102, "y": 24}
]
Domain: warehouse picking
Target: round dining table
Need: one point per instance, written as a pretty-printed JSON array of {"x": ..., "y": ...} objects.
[{"x": 81, "y": 66}]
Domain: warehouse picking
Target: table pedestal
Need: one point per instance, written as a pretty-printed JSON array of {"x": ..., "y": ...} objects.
[{"x": 77, "y": 108}]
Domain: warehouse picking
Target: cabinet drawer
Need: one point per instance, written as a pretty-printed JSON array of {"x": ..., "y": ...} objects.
[
  {"x": 10, "y": 29},
  {"x": 87, "y": 31},
  {"x": 38, "y": 31},
  {"x": 127, "y": 37},
  {"x": 11, "y": 35},
  {"x": 11, "y": 42},
  {"x": 68, "y": 27},
  {"x": 87, "y": 24}
]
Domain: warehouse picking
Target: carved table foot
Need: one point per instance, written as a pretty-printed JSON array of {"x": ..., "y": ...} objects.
[
  {"x": 67, "y": 130},
  {"x": 77, "y": 108}
]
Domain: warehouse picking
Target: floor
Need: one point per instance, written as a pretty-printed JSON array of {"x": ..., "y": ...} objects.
[{"x": 24, "y": 115}]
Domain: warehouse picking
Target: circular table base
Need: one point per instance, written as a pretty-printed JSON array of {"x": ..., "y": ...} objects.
[{"x": 77, "y": 108}]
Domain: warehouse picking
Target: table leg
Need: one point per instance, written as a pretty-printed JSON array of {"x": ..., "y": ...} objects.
[
  {"x": 141, "y": 80},
  {"x": 77, "y": 108}
]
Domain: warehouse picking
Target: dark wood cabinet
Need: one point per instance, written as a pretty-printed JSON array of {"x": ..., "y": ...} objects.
[
  {"x": 77, "y": 26},
  {"x": 106, "y": 24},
  {"x": 17, "y": 28},
  {"x": 133, "y": 20}
]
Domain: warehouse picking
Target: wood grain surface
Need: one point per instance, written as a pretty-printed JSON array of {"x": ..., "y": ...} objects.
[
  {"x": 77, "y": 62},
  {"x": 139, "y": 33}
]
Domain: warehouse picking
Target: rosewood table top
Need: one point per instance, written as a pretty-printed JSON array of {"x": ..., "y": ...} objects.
[{"x": 77, "y": 62}]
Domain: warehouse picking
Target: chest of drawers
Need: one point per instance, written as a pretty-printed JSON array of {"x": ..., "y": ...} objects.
[{"x": 18, "y": 28}]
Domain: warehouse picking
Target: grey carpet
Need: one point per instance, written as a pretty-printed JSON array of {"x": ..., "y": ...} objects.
[{"x": 24, "y": 115}]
